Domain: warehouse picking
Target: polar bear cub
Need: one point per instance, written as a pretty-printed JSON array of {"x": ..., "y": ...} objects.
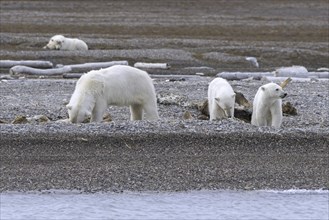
[
  {"x": 221, "y": 99},
  {"x": 117, "y": 85},
  {"x": 59, "y": 42},
  {"x": 267, "y": 106}
]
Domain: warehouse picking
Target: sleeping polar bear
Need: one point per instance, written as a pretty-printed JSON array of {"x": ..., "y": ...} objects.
[
  {"x": 59, "y": 42},
  {"x": 117, "y": 85}
]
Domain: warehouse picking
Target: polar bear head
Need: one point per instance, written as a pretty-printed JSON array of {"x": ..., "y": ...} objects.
[
  {"x": 89, "y": 89},
  {"x": 273, "y": 91},
  {"x": 55, "y": 43},
  {"x": 78, "y": 112}
]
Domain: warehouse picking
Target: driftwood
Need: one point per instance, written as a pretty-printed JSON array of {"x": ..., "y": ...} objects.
[
  {"x": 293, "y": 71},
  {"x": 94, "y": 66},
  {"x": 281, "y": 79},
  {"x": 152, "y": 65},
  {"x": 243, "y": 75},
  {"x": 33, "y": 71},
  {"x": 323, "y": 69},
  {"x": 72, "y": 75},
  {"x": 320, "y": 75},
  {"x": 30, "y": 63},
  {"x": 64, "y": 69},
  {"x": 6, "y": 77},
  {"x": 285, "y": 83}
]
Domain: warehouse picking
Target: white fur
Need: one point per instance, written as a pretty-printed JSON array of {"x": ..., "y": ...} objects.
[
  {"x": 117, "y": 85},
  {"x": 221, "y": 99},
  {"x": 267, "y": 106},
  {"x": 59, "y": 42}
]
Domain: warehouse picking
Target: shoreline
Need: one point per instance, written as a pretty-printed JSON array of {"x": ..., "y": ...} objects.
[{"x": 153, "y": 161}]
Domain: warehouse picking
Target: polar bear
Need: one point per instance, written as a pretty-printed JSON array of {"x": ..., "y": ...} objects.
[
  {"x": 117, "y": 85},
  {"x": 59, "y": 42},
  {"x": 267, "y": 106},
  {"x": 221, "y": 99}
]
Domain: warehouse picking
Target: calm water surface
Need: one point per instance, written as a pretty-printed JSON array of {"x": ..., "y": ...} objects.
[{"x": 290, "y": 204}]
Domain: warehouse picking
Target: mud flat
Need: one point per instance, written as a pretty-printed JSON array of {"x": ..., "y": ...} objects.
[{"x": 172, "y": 153}]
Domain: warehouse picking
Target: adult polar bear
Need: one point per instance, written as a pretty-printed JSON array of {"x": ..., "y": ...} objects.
[
  {"x": 267, "y": 106},
  {"x": 59, "y": 42},
  {"x": 221, "y": 99},
  {"x": 117, "y": 85}
]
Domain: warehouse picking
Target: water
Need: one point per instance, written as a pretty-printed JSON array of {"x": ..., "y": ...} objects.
[{"x": 290, "y": 204}]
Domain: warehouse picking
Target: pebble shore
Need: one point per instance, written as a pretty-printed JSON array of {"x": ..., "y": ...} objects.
[
  {"x": 169, "y": 154},
  {"x": 197, "y": 39}
]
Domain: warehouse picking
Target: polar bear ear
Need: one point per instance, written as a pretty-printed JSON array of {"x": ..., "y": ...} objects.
[
  {"x": 69, "y": 107},
  {"x": 263, "y": 88}
]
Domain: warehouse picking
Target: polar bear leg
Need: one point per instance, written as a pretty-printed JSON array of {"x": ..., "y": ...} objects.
[
  {"x": 98, "y": 112},
  {"x": 136, "y": 112},
  {"x": 217, "y": 113},
  {"x": 262, "y": 120},
  {"x": 276, "y": 112},
  {"x": 259, "y": 117},
  {"x": 276, "y": 121},
  {"x": 213, "y": 114},
  {"x": 151, "y": 112},
  {"x": 232, "y": 112},
  {"x": 210, "y": 110},
  {"x": 229, "y": 112}
]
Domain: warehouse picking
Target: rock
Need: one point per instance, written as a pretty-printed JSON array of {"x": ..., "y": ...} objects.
[
  {"x": 203, "y": 117},
  {"x": 176, "y": 79},
  {"x": 171, "y": 99},
  {"x": 20, "y": 119},
  {"x": 38, "y": 118},
  {"x": 3, "y": 121},
  {"x": 107, "y": 118},
  {"x": 241, "y": 100},
  {"x": 187, "y": 115},
  {"x": 289, "y": 109},
  {"x": 243, "y": 114},
  {"x": 203, "y": 108}
]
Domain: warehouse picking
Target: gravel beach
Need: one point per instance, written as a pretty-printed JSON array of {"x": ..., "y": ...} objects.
[{"x": 172, "y": 153}]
